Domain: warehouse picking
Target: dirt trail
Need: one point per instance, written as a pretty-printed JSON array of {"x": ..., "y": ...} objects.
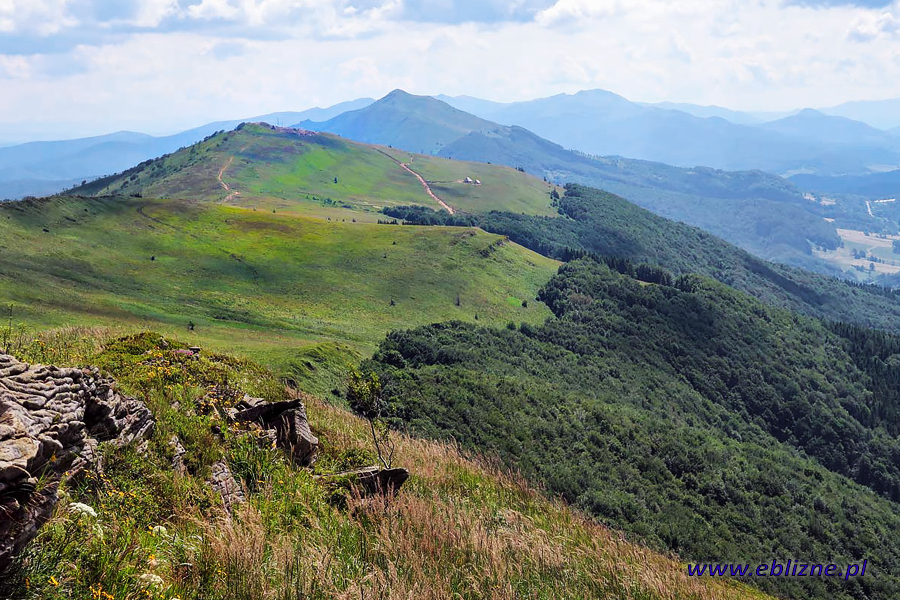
[
  {"x": 222, "y": 172},
  {"x": 424, "y": 183},
  {"x": 232, "y": 193}
]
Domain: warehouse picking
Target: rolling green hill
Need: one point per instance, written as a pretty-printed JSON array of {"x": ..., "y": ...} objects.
[
  {"x": 287, "y": 169},
  {"x": 686, "y": 413},
  {"x": 261, "y": 242},
  {"x": 218, "y": 245},
  {"x": 252, "y": 280}
]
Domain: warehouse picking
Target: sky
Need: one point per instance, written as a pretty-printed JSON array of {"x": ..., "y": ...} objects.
[{"x": 70, "y": 68}]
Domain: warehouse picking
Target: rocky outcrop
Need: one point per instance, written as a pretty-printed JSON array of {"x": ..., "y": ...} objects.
[
  {"x": 51, "y": 422},
  {"x": 282, "y": 424},
  {"x": 285, "y": 423},
  {"x": 179, "y": 451}
]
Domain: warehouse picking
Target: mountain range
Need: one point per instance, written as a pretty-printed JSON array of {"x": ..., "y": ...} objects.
[
  {"x": 298, "y": 172},
  {"x": 850, "y": 139},
  {"x": 754, "y": 207},
  {"x": 603, "y": 123},
  {"x": 761, "y": 212}
]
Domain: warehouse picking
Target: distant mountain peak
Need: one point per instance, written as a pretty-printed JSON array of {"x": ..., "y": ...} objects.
[
  {"x": 404, "y": 96},
  {"x": 597, "y": 92},
  {"x": 416, "y": 123},
  {"x": 398, "y": 93}
]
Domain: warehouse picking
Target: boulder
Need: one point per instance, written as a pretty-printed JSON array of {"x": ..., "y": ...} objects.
[
  {"x": 51, "y": 422},
  {"x": 285, "y": 422},
  {"x": 223, "y": 482}
]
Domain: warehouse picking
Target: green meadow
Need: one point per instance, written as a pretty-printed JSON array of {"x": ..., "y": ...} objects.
[{"x": 250, "y": 281}]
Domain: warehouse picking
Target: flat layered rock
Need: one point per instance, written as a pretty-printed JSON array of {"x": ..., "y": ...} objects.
[
  {"x": 51, "y": 422},
  {"x": 374, "y": 480}
]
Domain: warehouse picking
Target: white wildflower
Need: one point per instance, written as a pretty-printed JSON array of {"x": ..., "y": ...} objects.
[
  {"x": 79, "y": 509},
  {"x": 151, "y": 580}
]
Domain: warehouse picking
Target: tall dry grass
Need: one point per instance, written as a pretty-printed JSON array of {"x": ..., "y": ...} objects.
[{"x": 461, "y": 528}]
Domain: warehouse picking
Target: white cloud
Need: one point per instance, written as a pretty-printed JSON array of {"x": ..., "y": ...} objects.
[
  {"x": 574, "y": 12},
  {"x": 15, "y": 67},
  {"x": 150, "y": 13},
  {"x": 870, "y": 27},
  {"x": 213, "y": 9},
  {"x": 292, "y": 54},
  {"x": 41, "y": 17}
]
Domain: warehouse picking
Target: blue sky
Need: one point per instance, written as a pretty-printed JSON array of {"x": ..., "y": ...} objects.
[{"x": 77, "y": 67}]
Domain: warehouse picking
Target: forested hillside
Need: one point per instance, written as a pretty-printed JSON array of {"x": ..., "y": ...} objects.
[
  {"x": 686, "y": 413},
  {"x": 605, "y": 224}
]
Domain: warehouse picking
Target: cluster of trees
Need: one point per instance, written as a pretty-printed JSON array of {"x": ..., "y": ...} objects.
[
  {"x": 422, "y": 215},
  {"x": 686, "y": 413}
]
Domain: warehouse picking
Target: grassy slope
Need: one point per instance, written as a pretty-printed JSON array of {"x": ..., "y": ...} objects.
[
  {"x": 502, "y": 188},
  {"x": 253, "y": 280},
  {"x": 285, "y": 170},
  {"x": 458, "y": 529}
]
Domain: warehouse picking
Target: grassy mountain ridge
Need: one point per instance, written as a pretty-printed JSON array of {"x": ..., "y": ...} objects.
[
  {"x": 688, "y": 414},
  {"x": 314, "y": 173},
  {"x": 265, "y": 283},
  {"x": 247, "y": 241},
  {"x": 300, "y": 293},
  {"x": 39, "y": 168}
]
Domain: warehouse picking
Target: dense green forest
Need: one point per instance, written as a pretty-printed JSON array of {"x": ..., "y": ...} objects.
[
  {"x": 593, "y": 221},
  {"x": 684, "y": 412}
]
